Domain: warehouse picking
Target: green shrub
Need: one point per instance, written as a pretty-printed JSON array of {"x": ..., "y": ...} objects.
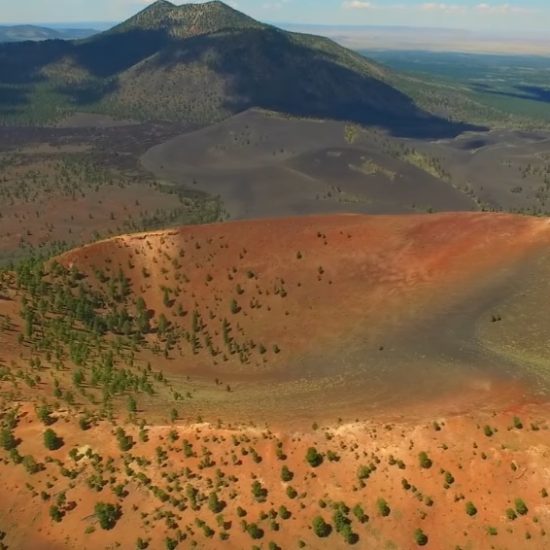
[
  {"x": 420, "y": 537},
  {"x": 521, "y": 507},
  {"x": 383, "y": 508},
  {"x": 425, "y": 461},
  {"x": 259, "y": 492},
  {"x": 286, "y": 474},
  {"x": 214, "y": 503},
  {"x": 284, "y": 513},
  {"x": 125, "y": 442},
  {"x": 254, "y": 531},
  {"x": 107, "y": 514},
  {"x": 511, "y": 514},
  {"x": 30, "y": 464},
  {"x": 291, "y": 492},
  {"x": 359, "y": 513},
  {"x": 44, "y": 415},
  {"x": 313, "y": 457},
  {"x": 471, "y": 510},
  {"x": 349, "y": 536},
  {"x": 131, "y": 404},
  {"x": 84, "y": 423},
  {"x": 51, "y": 440},
  {"x": 7, "y": 439},
  {"x": 321, "y": 528},
  {"x": 340, "y": 520},
  {"x": 332, "y": 456},
  {"x": 56, "y": 514}
]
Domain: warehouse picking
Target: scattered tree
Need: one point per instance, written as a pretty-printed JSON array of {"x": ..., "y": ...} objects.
[
  {"x": 321, "y": 528},
  {"x": 107, "y": 514},
  {"x": 383, "y": 508},
  {"x": 521, "y": 507},
  {"x": 51, "y": 440},
  {"x": 425, "y": 461},
  {"x": 313, "y": 457},
  {"x": 420, "y": 537}
]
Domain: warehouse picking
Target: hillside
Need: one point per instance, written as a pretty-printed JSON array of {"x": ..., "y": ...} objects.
[
  {"x": 200, "y": 64},
  {"x": 262, "y": 165},
  {"x": 239, "y": 301},
  {"x": 332, "y": 380}
]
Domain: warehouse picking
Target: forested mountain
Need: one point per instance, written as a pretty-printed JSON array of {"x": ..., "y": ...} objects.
[{"x": 201, "y": 63}]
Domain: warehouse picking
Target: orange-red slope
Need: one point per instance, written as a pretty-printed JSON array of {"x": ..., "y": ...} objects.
[{"x": 314, "y": 276}]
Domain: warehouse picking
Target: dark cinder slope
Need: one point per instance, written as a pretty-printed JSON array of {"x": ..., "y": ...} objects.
[
  {"x": 263, "y": 165},
  {"x": 201, "y": 63}
]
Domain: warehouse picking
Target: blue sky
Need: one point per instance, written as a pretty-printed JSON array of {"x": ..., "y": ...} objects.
[{"x": 519, "y": 15}]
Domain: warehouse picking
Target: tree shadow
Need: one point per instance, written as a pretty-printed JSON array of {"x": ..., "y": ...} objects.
[
  {"x": 108, "y": 54},
  {"x": 22, "y": 62},
  {"x": 13, "y": 99},
  {"x": 88, "y": 92},
  {"x": 13, "y": 96},
  {"x": 532, "y": 93}
]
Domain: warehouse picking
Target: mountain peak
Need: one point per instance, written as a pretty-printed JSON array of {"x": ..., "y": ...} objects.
[
  {"x": 161, "y": 4},
  {"x": 188, "y": 20},
  {"x": 156, "y": 7}
]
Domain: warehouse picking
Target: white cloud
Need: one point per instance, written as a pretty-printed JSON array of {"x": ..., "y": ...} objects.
[
  {"x": 483, "y": 8},
  {"x": 441, "y": 7},
  {"x": 501, "y": 9},
  {"x": 356, "y": 5}
]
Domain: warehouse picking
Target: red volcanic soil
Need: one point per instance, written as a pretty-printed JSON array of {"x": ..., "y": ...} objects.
[
  {"x": 313, "y": 294},
  {"x": 344, "y": 268},
  {"x": 340, "y": 316},
  {"x": 489, "y": 460}
]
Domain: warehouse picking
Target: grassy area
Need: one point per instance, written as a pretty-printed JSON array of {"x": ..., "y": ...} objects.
[
  {"x": 498, "y": 90},
  {"x": 84, "y": 196}
]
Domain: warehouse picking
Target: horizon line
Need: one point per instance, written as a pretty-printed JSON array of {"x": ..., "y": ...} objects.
[{"x": 67, "y": 24}]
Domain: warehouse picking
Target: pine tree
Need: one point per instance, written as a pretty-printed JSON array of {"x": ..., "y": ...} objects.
[
  {"x": 214, "y": 504},
  {"x": 107, "y": 514},
  {"x": 51, "y": 440},
  {"x": 162, "y": 324},
  {"x": 132, "y": 404},
  {"x": 321, "y": 528},
  {"x": 7, "y": 439}
]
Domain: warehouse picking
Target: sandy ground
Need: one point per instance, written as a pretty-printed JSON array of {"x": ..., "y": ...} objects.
[
  {"x": 392, "y": 301},
  {"x": 384, "y": 284},
  {"x": 489, "y": 471}
]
